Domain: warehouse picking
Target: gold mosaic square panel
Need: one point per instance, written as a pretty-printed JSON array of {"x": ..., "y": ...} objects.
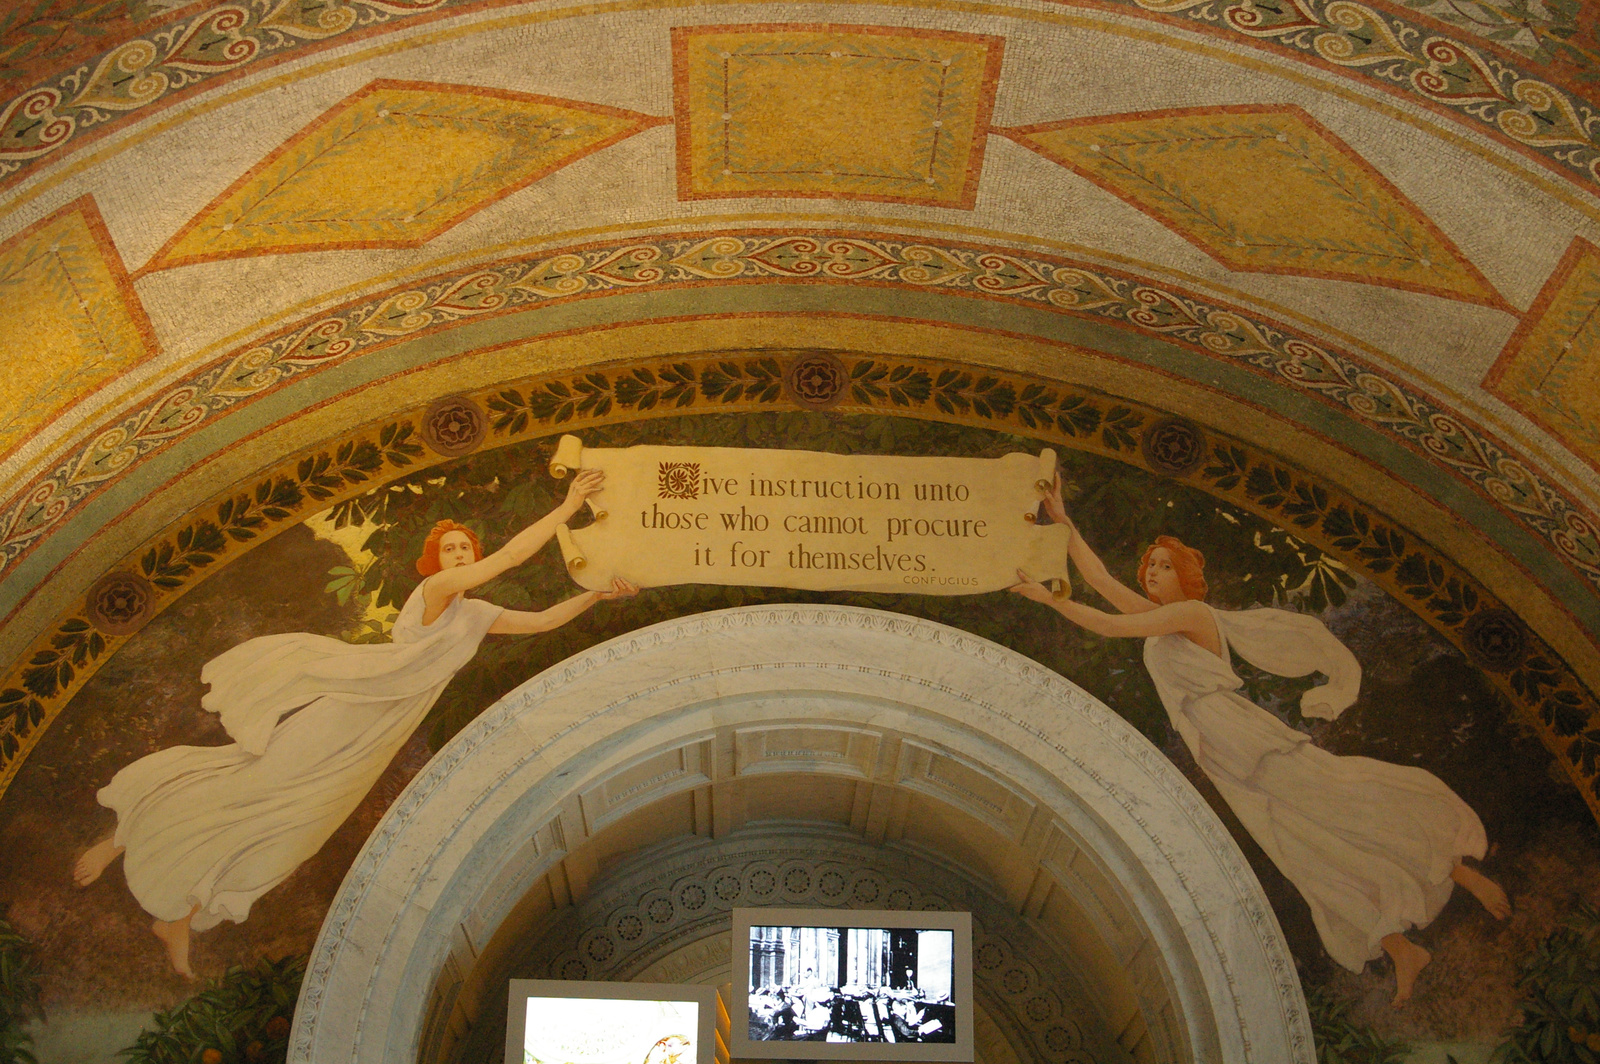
[
  {"x": 841, "y": 112},
  {"x": 1550, "y": 368},
  {"x": 69, "y": 319}
]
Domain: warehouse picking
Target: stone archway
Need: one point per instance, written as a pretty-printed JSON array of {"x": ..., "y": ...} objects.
[{"x": 889, "y": 702}]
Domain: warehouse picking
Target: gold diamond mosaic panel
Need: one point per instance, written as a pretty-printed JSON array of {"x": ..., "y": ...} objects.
[
  {"x": 842, "y": 112},
  {"x": 69, "y": 319},
  {"x": 1550, "y": 368},
  {"x": 1265, "y": 189},
  {"x": 394, "y": 165}
]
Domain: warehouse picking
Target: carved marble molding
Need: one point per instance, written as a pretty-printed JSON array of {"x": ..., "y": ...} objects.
[{"x": 493, "y": 810}]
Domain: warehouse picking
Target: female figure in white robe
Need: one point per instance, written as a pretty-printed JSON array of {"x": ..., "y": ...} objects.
[
  {"x": 206, "y": 830},
  {"x": 1374, "y": 848}
]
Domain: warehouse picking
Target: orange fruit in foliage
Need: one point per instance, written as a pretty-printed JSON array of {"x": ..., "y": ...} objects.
[
  {"x": 255, "y": 1051},
  {"x": 211, "y": 1056},
  {"x": 278, "y": 1027}
]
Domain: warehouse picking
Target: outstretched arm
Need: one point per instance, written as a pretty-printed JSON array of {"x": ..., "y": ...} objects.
[
  {"x": 1099, "y": 577},
  {"x": 441, "y": 587},
  {"x": 1189, "y": 617},
  {"x": 1089, "y": 564},
  {"x": 527, "y": 622}
]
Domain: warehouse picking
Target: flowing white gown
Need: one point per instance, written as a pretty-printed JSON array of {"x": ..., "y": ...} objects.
[
  {"x": 315, "y": 721},
  {"x": 1370, "y": 845}
]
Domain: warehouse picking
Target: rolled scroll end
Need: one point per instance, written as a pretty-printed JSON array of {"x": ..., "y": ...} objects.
[
  {"x": 1061, "y": 588},
  {"x": 568, "y": 456},
  {"x": 595, "y": 508},
  {"x": 1030, "y": 517},
  {"x": 569, "y": 550},
  {"x": 1047, "y": 471}
]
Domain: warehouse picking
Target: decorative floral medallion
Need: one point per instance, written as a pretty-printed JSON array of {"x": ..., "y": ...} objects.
[
  {"x": 1495, "y": 639},
  {"x": 1173, "y": 446},
  {"x": 119, "y": 603},
  {"x": 454, "y": 426},
  {"x": 816, "y": 381}
]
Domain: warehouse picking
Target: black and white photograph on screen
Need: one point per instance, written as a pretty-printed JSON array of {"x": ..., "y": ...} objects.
[{"x": 851, "y": 985}]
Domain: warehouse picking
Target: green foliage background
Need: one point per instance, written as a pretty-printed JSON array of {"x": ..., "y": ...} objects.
[
  {"x": 1560, "y": 982},
  {"x": 19, "y": 995},
  {"x": 1341, "y": 1040},
  {"x": 243, "y": 1017},
  {"x": 1249, "y": 561}
]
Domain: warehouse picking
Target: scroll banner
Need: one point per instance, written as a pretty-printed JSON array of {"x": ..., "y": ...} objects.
[{"x": 809, "y": 520}]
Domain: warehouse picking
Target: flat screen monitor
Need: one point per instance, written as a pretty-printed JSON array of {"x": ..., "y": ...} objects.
[
  {"x": 851, "y": 984},
  {"x": 558, "y": 1022}
]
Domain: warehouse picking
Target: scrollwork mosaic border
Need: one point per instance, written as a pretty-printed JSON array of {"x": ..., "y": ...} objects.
[{"x": 1383, "y": 404}]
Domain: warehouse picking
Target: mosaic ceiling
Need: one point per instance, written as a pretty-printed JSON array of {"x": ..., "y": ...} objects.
[{"x": 1333, "y": 265}]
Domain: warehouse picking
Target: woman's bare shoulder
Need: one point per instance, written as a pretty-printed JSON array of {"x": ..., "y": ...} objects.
[{"x": 1190, "y": 611}]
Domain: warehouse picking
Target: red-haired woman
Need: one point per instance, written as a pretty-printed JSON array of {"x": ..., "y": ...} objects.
[
  {"x": 206, "y": 830},
  {"x": 1374, "y": 848}
]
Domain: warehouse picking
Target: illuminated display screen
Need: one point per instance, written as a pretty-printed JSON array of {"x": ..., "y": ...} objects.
[
  {"x": 601, "y": 1029},
  {"x": 891, "y": 985}
]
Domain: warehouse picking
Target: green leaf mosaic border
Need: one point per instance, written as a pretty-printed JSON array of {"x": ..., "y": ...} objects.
[
  {"x": 1382, "y": 404},
  {"x": 1404, "y": 54},
  {"x": 1547, "y": 696}
]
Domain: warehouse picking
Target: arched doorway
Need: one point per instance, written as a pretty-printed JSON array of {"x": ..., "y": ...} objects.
[{"x": 944, "y": 743}]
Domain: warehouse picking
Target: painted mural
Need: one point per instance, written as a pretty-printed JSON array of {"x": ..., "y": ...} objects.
[
  {"x": 358, "y": 355},
  {"x": 172, "y": 849}
]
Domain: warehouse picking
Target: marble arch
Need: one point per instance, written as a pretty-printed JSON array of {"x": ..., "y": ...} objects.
[{"x": 916, "y": 703}]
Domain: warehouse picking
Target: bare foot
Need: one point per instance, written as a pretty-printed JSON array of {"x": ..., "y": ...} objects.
[
  {"x": 1409, "y": 960},
  {"x": 1484, "y": 889},
  {"x": 95, "y": 860},
  {"x": 175, "y": 934}
]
